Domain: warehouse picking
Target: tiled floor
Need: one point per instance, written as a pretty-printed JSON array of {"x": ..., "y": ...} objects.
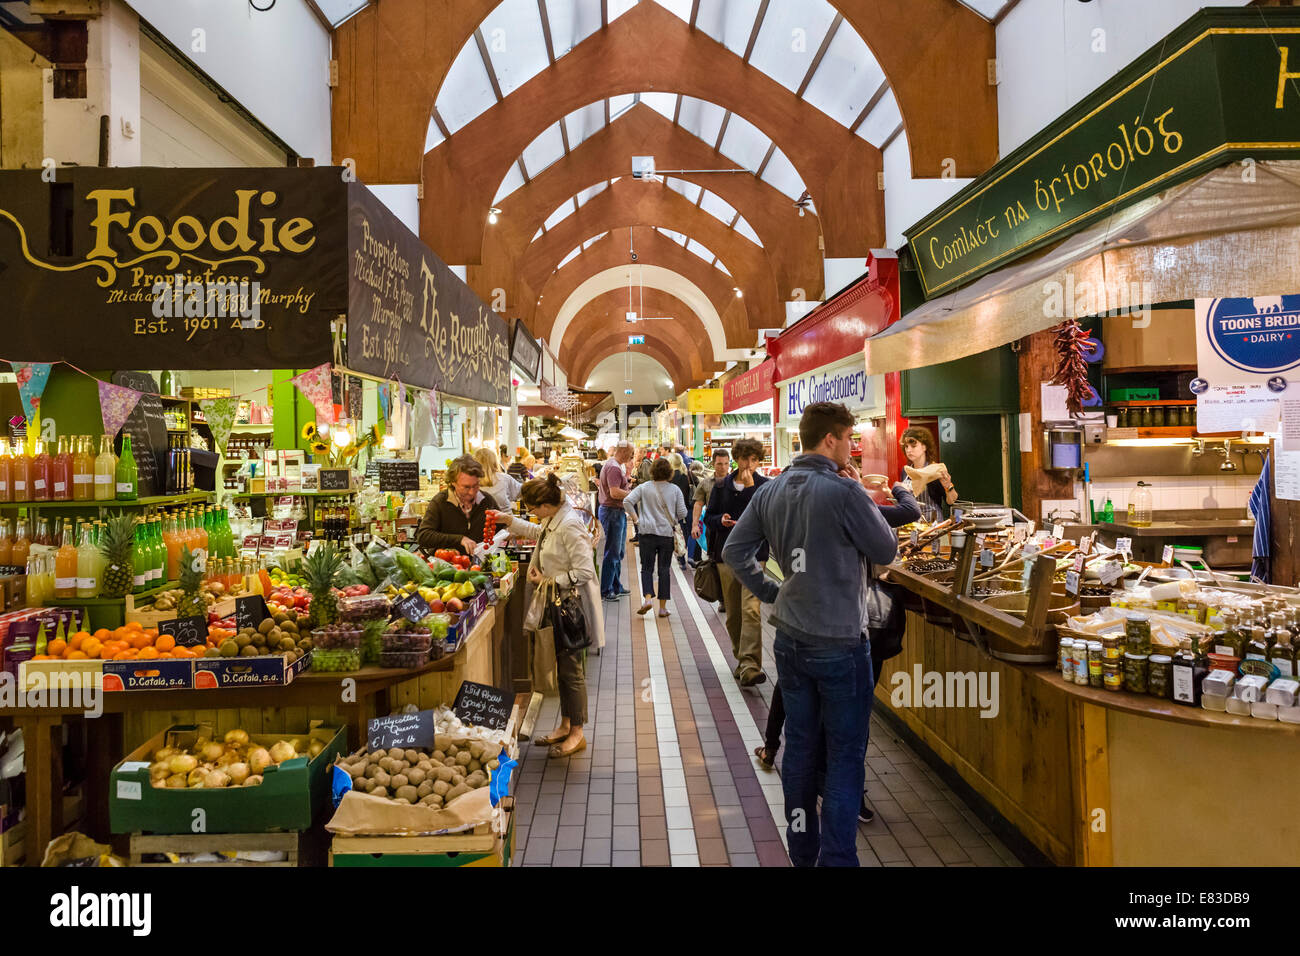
[{"x": 669, "y": 777}]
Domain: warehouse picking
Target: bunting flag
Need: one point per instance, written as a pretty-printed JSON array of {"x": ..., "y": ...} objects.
[
  {"x": 317, "y": 387},
  {"x": 220, "y": 415},
  {"x": 116, "y": 402},
  {"x": 32, "y": 377}
]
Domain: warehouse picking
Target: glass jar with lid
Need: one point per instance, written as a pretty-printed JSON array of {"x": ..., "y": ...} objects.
[
  {"x": 1144, "y": 418},
  {"x": 1158, "y": 416}
]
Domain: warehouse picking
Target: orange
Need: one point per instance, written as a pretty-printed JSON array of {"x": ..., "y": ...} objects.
[
  {"x": 56, "y": 647},
  {"x": 103, "y": 634},
  {"x": 165, "y": 643},
  {"x": 129, "y": 654},
  {"x": 134, "y": 625},
  {"x": 41, "y": 657},
  {"x": 138, "y": 641},
  {"x": 74, "y": 642},
  {"x": 148, "y": 653},
  {"x": 183, "y": 652},
  {"x": 77, "y": 656},
  {"x": 92, "y": 647},
  {"x": 151, "y": 633}
]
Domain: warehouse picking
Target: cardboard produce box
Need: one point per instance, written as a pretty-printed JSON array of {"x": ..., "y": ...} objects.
[
  {"x": 269, "y": 670},
  {"x": 290, "y": 796}
]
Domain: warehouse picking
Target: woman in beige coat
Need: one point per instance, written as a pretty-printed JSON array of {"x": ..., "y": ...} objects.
[{"x": 564, "y": 556}]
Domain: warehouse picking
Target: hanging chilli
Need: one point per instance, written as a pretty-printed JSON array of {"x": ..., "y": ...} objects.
[{"x": 1072, "y": 364}]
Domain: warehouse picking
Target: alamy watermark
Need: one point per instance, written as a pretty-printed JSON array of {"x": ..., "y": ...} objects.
[
  {"x": 1081, "y": 300},
  {"x": 186, "y": 298},
  {"x": 61, "y": 690},
  {"x": 947, "y": 689}
]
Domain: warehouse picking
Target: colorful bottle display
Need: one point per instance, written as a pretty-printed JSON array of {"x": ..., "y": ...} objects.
[
  {"x": 105, "y": 469},
  {"x": 65, "y": 566},
  {"x": 21, "y": 545},
  {"x": 83, "y": 470},
  {"x": 40, "y": 473},
  {"x": 6, "y": 472},
  {"x": 126, "y": 476},
  {"x": 87, "y": 581},
  {"x": 21, "y": 467},
  {"x": 61, "y": 471}
]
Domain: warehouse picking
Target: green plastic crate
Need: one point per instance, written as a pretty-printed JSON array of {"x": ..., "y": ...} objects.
[{"x": 1144, "y": 394}]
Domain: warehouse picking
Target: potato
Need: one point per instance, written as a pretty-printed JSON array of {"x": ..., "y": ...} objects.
[
  {"x": 441, "y": 742},
  {"x": 475, "y": 749},
  {"x": 399, "y": 780},
  {"x": 477, "y": 779},
  {"x": 402, "y": 800},
  {"x": 493, "y": 764},
  {"x": 377, "y": 755},
  {"x": 438, "y": 756},
  {"x": 412, "y": 757},
  {"x": 424, "y": 789},
  {"x": 424, "y": 764},
  {"x": 372, "y": 769},
  {"x": 457, "y": 780},
  {"x": 416, "y": 776},
  {"x": 455, "y": 792},
  {"x": 440, "y": 787},
  {"x": 383, "y": 779},
  {"x": 396, "y": 753},
  {"x": 452, "y": 750},
  {"x": 427, "y": 801},
  {"x": 444, "y": 773},
  {"x": 380, "y": 791},
  {"x": 436, "y": 801},
  {"x": 473, "y": 765},
  {"x": 463, "y": 758},
  {"x": 408, "y": 793}
]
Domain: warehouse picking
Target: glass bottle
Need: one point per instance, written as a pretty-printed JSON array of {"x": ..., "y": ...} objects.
[
  {"x": 22, "y": 544},
  {"x": 1256, "y": 644},
  {"x": 1281, "y": 651},
  {"x": 126, "y": 476},
  {"x": 42, "y": 533},
  {"x": 65, "y": 566},
  {"x": 172, "y": 541},
  {"x": 1108, "y": 512},
  {"x": 201, "y": 531},
  {"x": 1142, "y": 506},
  {"x": 87, "y": 580},
  {"x": 83, "y": 470},
  {"x": 105, "y": 469},
  {"x": 6, "y": 472},
  {"x": 61, "y": 472},
  {"x": 21, "y": 469},
  {"x": 36, "y": 593},
  {"x": 1122, "y": 417},
  {"x": 140, "y": 561},
  {"x": 40, "y": 473},
  {"x": 6, "y": 544},
  {"x": 101, "y": 560},
  {"x": 157, "y": 553}
]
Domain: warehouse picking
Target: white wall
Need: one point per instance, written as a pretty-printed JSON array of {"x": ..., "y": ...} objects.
[
  {"x": 908, "y": 199},
  {"x": 1049, "y": 57},
  {"x": 275, "y": 64}
]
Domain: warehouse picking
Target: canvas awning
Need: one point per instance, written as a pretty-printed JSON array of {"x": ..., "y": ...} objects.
[{"x": 1234, "y": 231}]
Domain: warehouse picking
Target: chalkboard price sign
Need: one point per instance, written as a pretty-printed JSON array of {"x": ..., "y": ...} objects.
[
  {"x": 335, "y": 479},
  {"x": 414, "y": 731},
  {"x": 148, "y": 431},
  {"x": 481, "y": 705},
  {"x": 188, "y": 631},
  {"x": 414, "y": 608},
  {"x": 250, "y": 611},
  {"x": 399, "y": 475}
]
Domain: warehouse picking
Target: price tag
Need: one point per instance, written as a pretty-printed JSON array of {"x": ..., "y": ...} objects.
[
  {"x": 986, "y": 558},
  {"x": 1029, "y": 529},
  {"x": 188, "y": 631},
  {"x": 1124, "y": 545},
  {"x": 250, "y": 611},
  {"x": 1072, "y": 582},
  {"x": 1058, "y": 531},
  {"x": 481, "y": 705},
  {"x": 916, "y": 537},
  {"x": 413, "y": 608},
  {"x": 1031, "y": 548},
  {"x": 1078, "y": 563},
  {"x": 1026, "y": 572},
  {"x": 1110, "y": 572},
  {"x": 1018, "y": 532},
  {"x": 1085, "y": 546},
  {"x": 413, "y": 731},
  {"x": 956, "y": 515},
  {"x": 1167, "y": 555}
]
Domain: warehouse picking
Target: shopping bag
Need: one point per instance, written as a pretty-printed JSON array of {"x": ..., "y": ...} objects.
[
  {"x": 544, "y": 677},
  {"x": 708, "y": 583},
  {"x": 536, "y": 614}
]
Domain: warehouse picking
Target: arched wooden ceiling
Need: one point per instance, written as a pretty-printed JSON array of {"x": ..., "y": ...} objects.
[
  {"x": 652, "y": 248},
  {"x": 610, "y": 344},
  {"x": 604, "y": 315},
  {"x": 789, "y": 240}
]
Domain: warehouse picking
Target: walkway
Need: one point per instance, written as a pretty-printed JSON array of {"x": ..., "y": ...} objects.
[{"x": 669, "y": 776}]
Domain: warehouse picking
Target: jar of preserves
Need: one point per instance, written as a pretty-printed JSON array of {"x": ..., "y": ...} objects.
[
  {"x": 1160, "y": 676},
  {"x": 1065, "y": 658},
  {"x": 1095, "y": 659},
  {"x": 1112, "y": 646},
  {"x": 1135, "y": 673},
  {"x": 1158, "y": 417},
  {"x": 1081, "y": 663},
  {"x": 1185, "y": 416},
  {"x": 1137, "y": 633},
  {"x": 1122, "y": 417},
  {"x": 1111, "y": 677},
  {"x": 1144, "y": 419}
]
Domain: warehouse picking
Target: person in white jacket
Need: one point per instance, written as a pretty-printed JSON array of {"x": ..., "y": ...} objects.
[{"x": 564, "y": 556}]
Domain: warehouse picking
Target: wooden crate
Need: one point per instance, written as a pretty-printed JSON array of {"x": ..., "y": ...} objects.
[
  {"x": 479, "y": 847},
  {"x": 147, "y": 616},
  {"x": 287, "y": 843}
]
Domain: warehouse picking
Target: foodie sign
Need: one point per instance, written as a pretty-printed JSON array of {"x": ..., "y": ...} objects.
[{"x": 1225, "y": 85}]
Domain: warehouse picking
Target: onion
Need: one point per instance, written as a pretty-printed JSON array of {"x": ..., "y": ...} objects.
[
  {"x": 258, "y": 760},
  {"x": 238, "y": 737},
  {"x": 195, "y": 777},
  {"x": 228, "y": 758},
  {"x": 282, "y": 750},
  {"x": 164, "y": 753},
  {"x": 160, "y": 769},
  {"x": 254, "y": 780},
  {"x": 315, "y": 748},
  {"x": 216, "y": 780},
  {"x": 176, "y": 781},
  {"x": 238, "y": 773},
  {"x": 212, "y": 751},
  {"x": 182, "y": 763}
]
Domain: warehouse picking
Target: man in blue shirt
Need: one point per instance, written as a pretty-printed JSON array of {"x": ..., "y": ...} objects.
[{"x": 825, "y": 532}]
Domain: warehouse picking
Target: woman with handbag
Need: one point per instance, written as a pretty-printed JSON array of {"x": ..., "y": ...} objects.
[
  {"x": 658, "y": 508},
  {"x": 682, "y": 482},
  {"x": 564, "y": 566}
]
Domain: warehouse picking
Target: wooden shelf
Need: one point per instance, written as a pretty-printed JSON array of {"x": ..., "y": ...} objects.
[
  {"x": 162, "y": 500},
  {"x": 1139, "y": 403},
  {"x": 1136, "y": 369}
]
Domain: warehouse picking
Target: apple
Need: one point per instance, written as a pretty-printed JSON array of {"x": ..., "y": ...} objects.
[
  {"x": 455, "y": 605},
  {"x": 436, "y": 606}
]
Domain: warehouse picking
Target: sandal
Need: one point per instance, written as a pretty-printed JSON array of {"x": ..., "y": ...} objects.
[
  {"x": 558, "y": 751},
  {"x": 642, "y": 610},
  {"x": 664, "y": 613}
]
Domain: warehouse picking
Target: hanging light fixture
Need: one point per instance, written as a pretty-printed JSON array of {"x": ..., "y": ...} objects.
[{"x": 493, "y": 214}]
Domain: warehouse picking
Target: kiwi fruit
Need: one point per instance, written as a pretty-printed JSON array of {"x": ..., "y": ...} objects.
[
  {"x": 248, "y": 650},
  {"x": 266, "y": 625}
]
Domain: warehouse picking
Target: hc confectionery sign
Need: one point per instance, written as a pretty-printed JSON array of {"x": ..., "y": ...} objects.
[
  {"x": 750, "y": 388},
  {"x": 847, "y": 384},
  {"x": 1224, "y": 85},
  {"x": 411, "y": 317}
]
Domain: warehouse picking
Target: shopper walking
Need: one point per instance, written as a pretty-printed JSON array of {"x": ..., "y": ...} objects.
[
  {"x": 612, "y": 490},
  {"x": 497, "y": 483},
  {"x": 727, "y": 503},
  {"x": 657, "y": 507},
  {"x": 563, "y": 559},
  {"x": 456, "y": 516},
  {"x": 700, "y": 499},
  {"x": 823, "y": 530},
  {"x": 682, "y": 481}
]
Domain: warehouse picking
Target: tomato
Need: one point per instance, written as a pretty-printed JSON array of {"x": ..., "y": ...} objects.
[{"x": 475, "y": 567}]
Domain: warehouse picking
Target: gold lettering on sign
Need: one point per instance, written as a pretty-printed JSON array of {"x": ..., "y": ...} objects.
[{"x": 1282, "y": 77}]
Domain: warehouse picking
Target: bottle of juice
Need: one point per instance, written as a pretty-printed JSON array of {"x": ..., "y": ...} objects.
[
  {"x": 87, "y": 581},
  {"x": 6, "y": 544},
  {"x": 22, "y": 471},
  {"x": 172, "y": 542},
  {"x": 40, "y": 473},
  {"x": 105, "y": 469},
  {"x": 201, "y": 531},
  {"x": 101, "y": 561},
  {"x": 65, "y": 565},
  {"x": 21, "y": 545},
  {"x": 61, "y": 471},
  {"x": 6, "y": 472},
  {"x": 44, "y": 535},
  {"x": 140, "y": 561},
  {"x": 83, "y": 471},
  {"x": 126, "y": 476}
]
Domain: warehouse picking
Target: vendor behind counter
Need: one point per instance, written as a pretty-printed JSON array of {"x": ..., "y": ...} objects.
[
  {"x": 938, "y": 493},
  {"x": 457, "y": 515}
]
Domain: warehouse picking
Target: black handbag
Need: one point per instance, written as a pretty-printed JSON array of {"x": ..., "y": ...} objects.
[
  {"x": 885, "y": 619},
  {"x": 708, "y": 583},
  {"x": 564, "y": 615}
]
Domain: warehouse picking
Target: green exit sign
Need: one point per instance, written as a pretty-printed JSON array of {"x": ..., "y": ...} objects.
[{"x": 636, "y": 340}]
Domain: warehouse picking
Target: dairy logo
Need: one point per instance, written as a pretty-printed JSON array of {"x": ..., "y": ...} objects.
[{"x": 1260, "y": 335}]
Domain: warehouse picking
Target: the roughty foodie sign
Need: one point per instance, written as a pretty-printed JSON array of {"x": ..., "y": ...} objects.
[
  {"x": 411, "y": 317},
  {"x": 1224, "y": 86},
  {"x": 187, "y": 268}
]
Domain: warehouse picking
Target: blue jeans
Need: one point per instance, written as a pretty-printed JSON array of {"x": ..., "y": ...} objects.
[
  {"x": 613, "y": 521},
  {"x": 827, "y": 694}
]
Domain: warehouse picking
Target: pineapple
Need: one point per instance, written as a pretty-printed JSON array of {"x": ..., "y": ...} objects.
[
  {"x": 319, "y": 569},
  {"x": 191, "y": 602},
  {"x": 116, "y": 544}
]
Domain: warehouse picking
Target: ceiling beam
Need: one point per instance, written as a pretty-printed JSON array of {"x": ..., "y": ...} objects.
[
  {"x": 1006, "y": 9},
  {"x": 487, "y": 64},
  {"x": 876, "y": 97},
  {"x": 753, "y": 34},
  {"x": 546, "y": 30},
  {"x": 604, "y": 13},
  {"x": 722, "y": 130},
  {"x": 695, "y": 12},
  {"x": 523, "y": 171},
  {"x": 767, "y": 158},
  {"x": 442, "y": 127},
  {"x": 821, "y": 52},
  {"x": 677, "y": 110},
  {"x": 891, "y": 137}
]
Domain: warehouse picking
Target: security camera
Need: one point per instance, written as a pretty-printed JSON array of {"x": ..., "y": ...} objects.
[{"x": 634, "y": 257}]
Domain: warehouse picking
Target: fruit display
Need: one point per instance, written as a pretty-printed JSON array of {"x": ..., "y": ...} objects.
[
  {"x": 232, "y": 761},
  {"x": 115, "y": 544},
  {"x": 333, "y": 636},
  {"x": 430, "y": 778},
  {"x": 276, "y": 635},
  {"x": 319, "y": 569},
  {"x": 210, "y": 594},
  {"x": 131, "y": 641},
  {"x": 364, "y": 607},
  {"x": 402, "y": 635},
  {"x": 455, "y": 558}
]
